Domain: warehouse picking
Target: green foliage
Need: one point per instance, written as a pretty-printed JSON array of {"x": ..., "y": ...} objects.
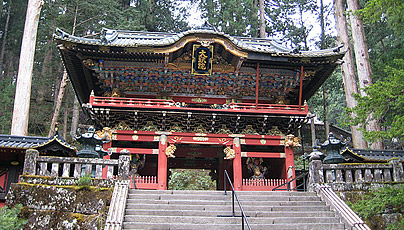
[
  {"x": 233, "y": 17},
  {"x": 385, "y": 102},
  {"x": 9, "y": 218},
  {"x": 390, "y": 11},
  {"x": 376, "y": 201},
  {"x": 84, "y": 182},
  {"x": 7, "y": 89},
  {"x": 190, "y": 179},
  {"x": 336, "y": 100}
]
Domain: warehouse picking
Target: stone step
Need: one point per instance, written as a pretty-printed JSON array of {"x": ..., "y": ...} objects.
[
  {"x": 187, "y": 209},
  {"x": 215, "y": 192},
  {"x": 226, "y": 208},
  {"x": 186, "y": 226},
  {"x": 227, "y": 202},
  {"x": 215, "y": 213},
  {"x": 228, "y": 220},
  {"x": 221, "y": 197}
]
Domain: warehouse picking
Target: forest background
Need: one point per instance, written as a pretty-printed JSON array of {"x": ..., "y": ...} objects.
[{"x": 286, "y": 19}]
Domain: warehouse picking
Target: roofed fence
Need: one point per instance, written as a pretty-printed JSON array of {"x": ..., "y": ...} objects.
[{"x": 356, "y": 176}]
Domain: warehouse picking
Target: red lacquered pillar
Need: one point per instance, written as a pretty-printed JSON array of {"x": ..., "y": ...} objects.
[
  {"x": 162, "y": 164},
  {"x": 237, "y": 167}
]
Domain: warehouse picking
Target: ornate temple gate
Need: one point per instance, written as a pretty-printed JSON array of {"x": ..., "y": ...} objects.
[
  {"x": 155, "y": 175},
  {"x": 163, "y": 93}
]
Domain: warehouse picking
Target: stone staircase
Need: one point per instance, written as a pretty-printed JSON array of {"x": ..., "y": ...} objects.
[{"x": 152, "y": 209}]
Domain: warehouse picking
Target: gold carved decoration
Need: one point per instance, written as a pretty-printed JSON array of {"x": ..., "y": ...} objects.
[
  {"x": 224, "y": 130},
  {"x": 291, "y": 141},
  {"x": 149, "y": 126},
  {"x": 89, "y": 63},
  {"x": 200, "y": 138},
  {"x": 229, "y": 153},
  {"x": 105, "y": 133},
  {"x": 249, "y": 130},
  {"x": 275, "y": 131},
  {"x": 170, "y": 151},
  {"x": 199, "y": 100},
  {"x": 228, "y": 45},
  {"x": 200, "y": 129},
  {"x": 122, "y": 126},
  {"x": 205, "y": 42},
  {"x": 282, "y": 101}
]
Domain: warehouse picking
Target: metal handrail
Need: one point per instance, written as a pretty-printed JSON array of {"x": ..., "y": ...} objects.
[
  {"x": 288, "y": 187},
  {"x": 234, "y": 195}
]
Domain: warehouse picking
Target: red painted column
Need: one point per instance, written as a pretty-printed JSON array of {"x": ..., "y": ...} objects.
[
  {"x": 237, "y": 167},
  {"x": 289, "y": 164},
  {"x": 162, "y": 164},
  {"x": 107, "y": 147}
]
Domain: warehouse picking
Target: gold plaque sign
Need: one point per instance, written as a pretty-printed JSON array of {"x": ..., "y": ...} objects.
[{"x": 202, "y": 58}]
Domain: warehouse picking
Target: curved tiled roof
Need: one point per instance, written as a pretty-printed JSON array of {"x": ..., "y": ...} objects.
[
  {"x": 375, "y": 155},
  {"x": 125, "y": 38},
  {"x": 27, "y": 142},
  {"x": 20, "y": 142}
]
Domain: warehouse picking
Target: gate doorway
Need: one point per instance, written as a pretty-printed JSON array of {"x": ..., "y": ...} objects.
[{"x": 197, "y": 167}]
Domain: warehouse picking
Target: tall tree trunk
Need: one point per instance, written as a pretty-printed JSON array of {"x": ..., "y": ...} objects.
[
  {"x": 56, "y": 113},
  {"x": 313, "y": 131},
  {"x": 3, "y": 45},
  {"x": 362, "y": 62},
  {"x": 326, "y": 112},
  {"x": 65, "y": 119},
  {"x": 325, "y": 94},
  {"x": 348, "y": 70},
  {"x": 76, "y": 103},
  {"x": 75, "y": 116},
  {"x": 45, "y": 73},
  {"x": 262, "y": 19},
  {"x": 19, "y": 125}
]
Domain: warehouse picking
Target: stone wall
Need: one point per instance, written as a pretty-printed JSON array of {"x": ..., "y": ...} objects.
[
  {"x": 380, "y": 221},
  {"x": 352, "y": 181},
  {"x": 58, "y": 203}
]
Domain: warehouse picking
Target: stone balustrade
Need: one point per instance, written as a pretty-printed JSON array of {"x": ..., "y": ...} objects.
[
  {"x": 76, "y": 167},
  {"x": 358, "y": 176}
]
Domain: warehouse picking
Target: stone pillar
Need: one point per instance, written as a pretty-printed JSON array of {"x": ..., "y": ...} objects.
[
  {"x": 316, "y": 174},
  {"x": 30, "y": 161},
  {"x": 162, "y": 164},
  {"x": 237, "y": 167},
  {"x": 398, "y": 171},
  {"x": 123, "y": 166}
]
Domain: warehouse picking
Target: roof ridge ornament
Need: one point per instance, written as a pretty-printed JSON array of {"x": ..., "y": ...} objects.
[{"x": 207, "y": 26}]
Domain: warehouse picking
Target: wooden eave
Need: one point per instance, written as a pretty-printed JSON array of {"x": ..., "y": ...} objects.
[{"x": 73, "y": 52}]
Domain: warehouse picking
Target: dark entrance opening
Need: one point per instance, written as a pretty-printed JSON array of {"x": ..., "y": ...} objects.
[{"x": 197, "y": 167}]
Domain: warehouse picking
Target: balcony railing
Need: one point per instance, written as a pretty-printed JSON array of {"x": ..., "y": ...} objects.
[
  {"x": 262, "y": 184},
  {"x": 144, "y": 182},
  {"x": 141, "y": 103}
]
